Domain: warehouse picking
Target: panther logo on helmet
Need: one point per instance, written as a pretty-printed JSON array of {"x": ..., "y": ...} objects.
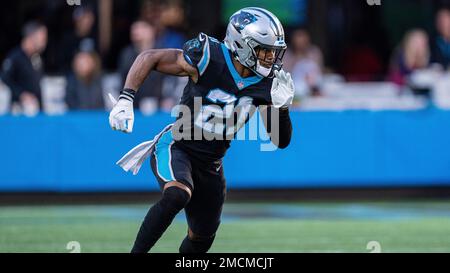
[{"x": 242, "y": 19}]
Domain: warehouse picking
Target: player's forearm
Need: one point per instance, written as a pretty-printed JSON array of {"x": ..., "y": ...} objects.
[
  {"x": 285, "y": 126},
  {"x": 278, "y": 125},
  {"x": 141, "y": 68}
]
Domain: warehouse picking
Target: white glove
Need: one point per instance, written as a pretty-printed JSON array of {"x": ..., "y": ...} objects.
[
  {"x": 121, "y": 117},
  {"x": 282, "y": 89}
]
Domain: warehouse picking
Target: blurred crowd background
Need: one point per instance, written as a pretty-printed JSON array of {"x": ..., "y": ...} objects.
[{"x": 59, "y": 56}]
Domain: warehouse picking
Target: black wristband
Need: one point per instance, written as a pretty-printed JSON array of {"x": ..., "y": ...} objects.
[
  {"x": 127, "y": 94},
  {"x": 284, "y": 108}
]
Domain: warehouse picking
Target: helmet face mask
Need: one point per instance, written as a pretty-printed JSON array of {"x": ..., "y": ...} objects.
[
  {"x": 256, "y": 39},
  {"x": 268, "y": 59}
]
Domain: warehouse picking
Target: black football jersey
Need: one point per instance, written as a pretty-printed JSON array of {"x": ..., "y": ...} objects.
[{"x": 227, "y": 101}]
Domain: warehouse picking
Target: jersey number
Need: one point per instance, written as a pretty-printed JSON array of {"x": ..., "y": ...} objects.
[{"x": 212, "y": 117}]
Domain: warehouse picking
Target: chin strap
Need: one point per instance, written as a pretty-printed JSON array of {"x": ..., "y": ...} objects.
[{"x": 263, "y": 71}]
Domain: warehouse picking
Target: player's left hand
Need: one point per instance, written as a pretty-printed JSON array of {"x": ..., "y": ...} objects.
[
  {"x": 282, "y": 89},
  {"x": 121, "y": 117}
]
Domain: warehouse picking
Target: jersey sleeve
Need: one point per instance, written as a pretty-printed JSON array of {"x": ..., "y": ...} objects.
[{"x": 197, "y": 52}]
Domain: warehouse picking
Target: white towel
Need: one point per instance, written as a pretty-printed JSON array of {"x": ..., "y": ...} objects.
[{"x": 134, "y": 159}]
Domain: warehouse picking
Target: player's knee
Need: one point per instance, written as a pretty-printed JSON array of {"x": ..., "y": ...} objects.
[
  {"x": 195, "y": 237},
  {"x": 176, "y": 197},
  {"x": 194, "y": 243}
]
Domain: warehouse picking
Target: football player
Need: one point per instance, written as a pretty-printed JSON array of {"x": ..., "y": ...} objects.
[{"x": 243, "y": 71}]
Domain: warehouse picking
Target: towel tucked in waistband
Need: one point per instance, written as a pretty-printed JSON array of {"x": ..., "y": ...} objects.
[{"x": 134, "y": 159}]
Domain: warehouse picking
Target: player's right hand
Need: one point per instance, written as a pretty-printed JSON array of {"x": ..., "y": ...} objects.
[
  {"x": 282, "y": 89},
  {"x": 121, "y": 117}
]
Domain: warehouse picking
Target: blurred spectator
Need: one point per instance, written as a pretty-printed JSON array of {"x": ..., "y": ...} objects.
[
  {"x": 171, "y": 19},
  {"x": 142, "y": 37},
  {"x": 167, "y": 17},
  {"x": 81, "y": 38},
  {"x": 84, "y": 87},
  {"x": 150, "y": 11},
  {"x": 172, "y": 91},
  {"x": 170, "y": 35},
  {"x": 413, "y": 54},
  {"x": 361, "y": 62},
  {"x": 22, "y": 68},
  {"x": 305, "y": 62},
  {"x": 441, "y": 45}
]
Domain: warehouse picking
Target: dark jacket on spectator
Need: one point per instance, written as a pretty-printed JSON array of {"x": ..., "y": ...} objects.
[
  {"x": 441, "y": 52},
  {"x": 84, "y": 96},
  {"x": 71, "y": 44},
  {"x": 19, "y": 74}
]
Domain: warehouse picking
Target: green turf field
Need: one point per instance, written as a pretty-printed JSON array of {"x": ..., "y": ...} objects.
[{"x": 255, "y": 227}]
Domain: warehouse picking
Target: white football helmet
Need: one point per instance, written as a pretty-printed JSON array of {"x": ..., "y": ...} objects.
[{"x": 251, "y": 30}]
